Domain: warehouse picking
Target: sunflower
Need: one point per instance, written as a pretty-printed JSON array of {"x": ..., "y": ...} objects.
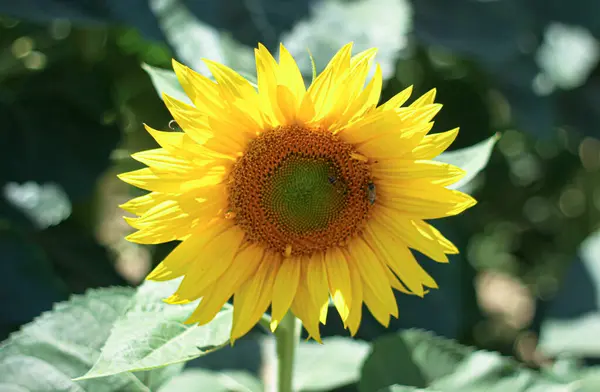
[{"x": 287, "y": 196}]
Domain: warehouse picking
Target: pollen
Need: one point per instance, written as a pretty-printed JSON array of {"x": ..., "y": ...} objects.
[{"x": 299, "y": 190}]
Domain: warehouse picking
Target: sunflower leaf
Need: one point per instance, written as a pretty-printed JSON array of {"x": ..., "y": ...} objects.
[
  {"x": 151, "y": 334},
  {"x": 63, "y": 343},
  {"x": 471, "y": 159},
  {"x": 191, "y": 379},
  {"x": 417, "y": 359},
  {"x": 412, "y": 357}
]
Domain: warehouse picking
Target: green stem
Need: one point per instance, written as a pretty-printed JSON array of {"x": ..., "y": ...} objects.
[{"x": 287, "y": 337}]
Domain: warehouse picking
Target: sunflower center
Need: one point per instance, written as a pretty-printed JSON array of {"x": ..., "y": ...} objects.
[
  {"x": 304, "y": 194},
  {"x": 299, "y": 189}
]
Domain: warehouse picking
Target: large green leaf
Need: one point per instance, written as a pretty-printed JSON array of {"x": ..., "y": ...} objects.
[
  {"x": 64, "y": 343},
  {"x": 471, "y": 159},
  {"x": 413, "y": 357},
  {"x": 416, "y": 359},
  {"x": 193, "y": 380},
  {"x": 151, "y": 334}
]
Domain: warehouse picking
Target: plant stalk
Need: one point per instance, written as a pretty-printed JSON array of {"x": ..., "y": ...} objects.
[{"x": 287, "y": 337}]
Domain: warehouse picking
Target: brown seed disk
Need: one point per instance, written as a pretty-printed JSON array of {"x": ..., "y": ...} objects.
[{"x": 251, "y": 190}]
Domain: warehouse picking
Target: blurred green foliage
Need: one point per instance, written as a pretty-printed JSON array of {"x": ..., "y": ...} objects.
[{"x": 73, "y": 97}]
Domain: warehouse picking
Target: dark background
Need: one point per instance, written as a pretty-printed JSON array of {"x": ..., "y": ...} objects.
[{"x": 73, "y": 97}]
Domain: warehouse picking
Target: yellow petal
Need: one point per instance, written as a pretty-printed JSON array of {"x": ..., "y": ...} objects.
[
  {"x": 448, "y": 246},
  {"x": 394, "y": 144},
  {"x": 201, "y": 90},
  {"x": 242, "y": 268},
  {"x": 182, "y": 145},
  {"x": 231, "y": 84},
  {"x": 412, "y": 235},
  {"x": 179, "y": 260},
  {"x": 423, "y": 200},
  {"x": 306, "y": 112},
  {"x": 366, "y": 55},
  {"x": 284, "y": 289},
  {"x": 397, "y": 100},
  {"x": 425, "y": 99},
  {"x": 374, "y": 88},
  {"x": 162, "y": 159},
  {"x": 316, "y": 279},
  {"x": 418, "y": 115},
  {"x": 141, "y": 204},
  {"x": 373, "y": 273},
  {"x": 355, "y": 315},
  {"x": 210, "y": 262},
  {"x": 398, "y": 170},
  {"x": 433, "y": 145},
  {"x": 287, "y": 104},
  {"x": 306, "y": 310},
  {"x": 251, "y": 301},
  {"x": 289, "y": 74},
  {"x": 193, "y": 122},
  {"x": 267, "y": 69},
  {"x": 340, "y": 284},
  {"x": 399, "y": 258},
  {"x": 377, "y": 308},
  {"x": 151, "y": 180}
]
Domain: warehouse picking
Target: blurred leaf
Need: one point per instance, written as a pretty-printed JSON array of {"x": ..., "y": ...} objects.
[
  {"x": 487, "y": 30},
  {"x": 59, "y": 345},
  {"x": 568, "y": 55},
  {"x": 578, "y": 107},
  {"x": 192, "y": 380},
  {"x": 165, "y": 82},
  {"x": 413, "y": 357},
  {"x": 45, "y": 205},
  {"x": 66, "y": 245},
  {"x": 252, "y": 21},
  {"x": 577, "y": 336},
  {"x": 323, "y": 367},
  {"x": 568, "y": 327},
  {"x": 404, "y": 388},
  {"x": 471, "y": 159},
  {"x": 29, "y": 286},
  {"x": 151, "y": 334},
  {"x": 133, "y": 12},
  {"x": 490, "y": 372},
  {"x": 528, "y": 93},
  {"x": 55, "y": 128},
  {"x": 194, "y": 40},
  {"x": 424, "y": 361},
  {"x": 381, "y": 24},
  {"x": 576, "y": 13}
]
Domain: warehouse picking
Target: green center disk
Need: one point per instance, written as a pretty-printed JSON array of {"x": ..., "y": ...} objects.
[{"x": 304, "y": 194}]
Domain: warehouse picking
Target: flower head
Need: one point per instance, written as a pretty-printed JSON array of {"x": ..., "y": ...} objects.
[{"x": 285, "y": 196}]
